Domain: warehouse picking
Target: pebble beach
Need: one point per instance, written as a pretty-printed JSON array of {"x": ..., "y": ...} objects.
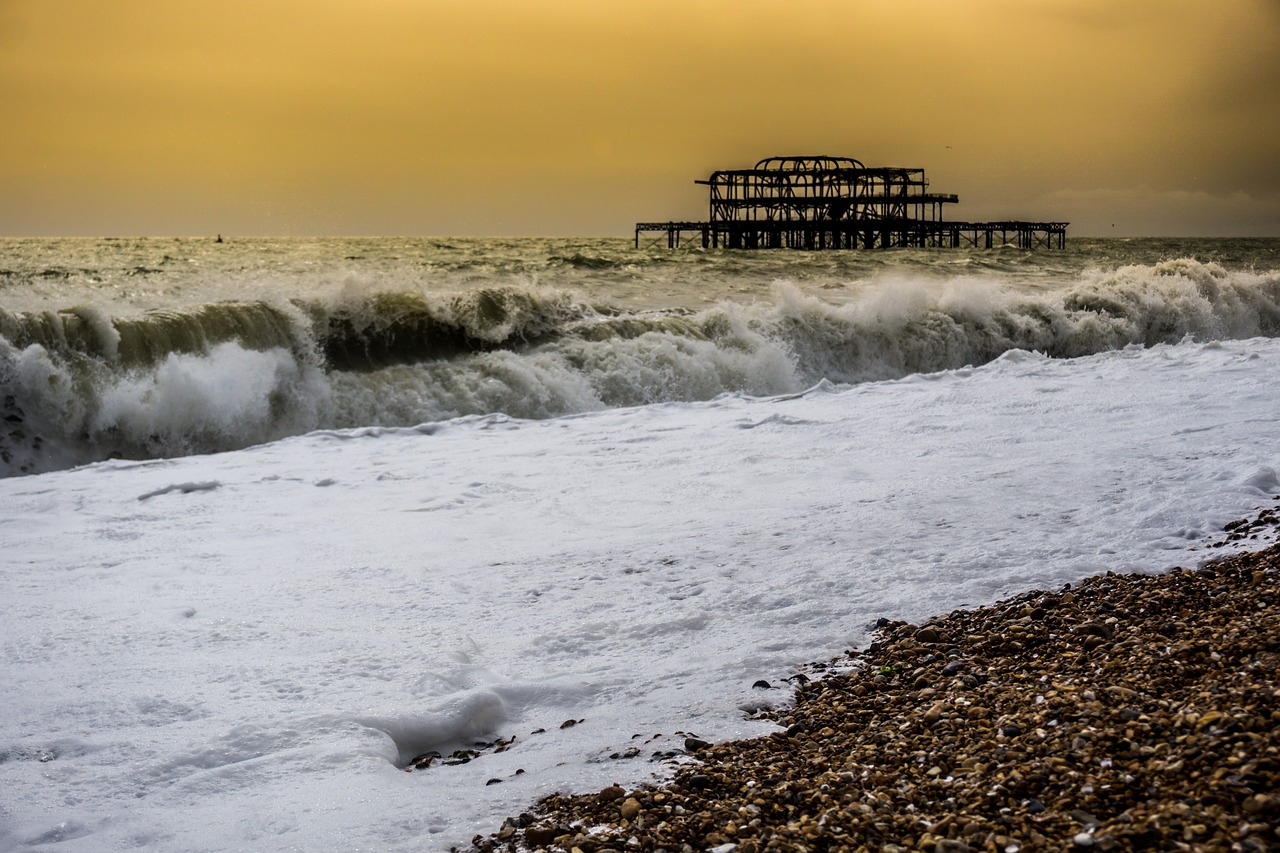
[{"x": 1127, "y": 712}]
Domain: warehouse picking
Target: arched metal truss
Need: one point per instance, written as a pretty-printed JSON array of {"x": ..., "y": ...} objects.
[{"x": 824, "y": 202}]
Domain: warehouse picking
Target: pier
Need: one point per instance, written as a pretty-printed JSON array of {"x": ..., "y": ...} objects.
[{"x": 838, "y": 203}]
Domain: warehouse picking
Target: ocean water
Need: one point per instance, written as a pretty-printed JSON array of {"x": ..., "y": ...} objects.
[
  {"x": 281, "y": 516},
  {"x": 143, "y": 349}
]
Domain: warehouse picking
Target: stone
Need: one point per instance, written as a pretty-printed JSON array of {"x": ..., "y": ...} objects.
[
  {"x": 541, "y": 836},
  {"x": 1209, "y": 718},
  {"x": 611, "y": 793},
  {"x": 950, "y": 845}
]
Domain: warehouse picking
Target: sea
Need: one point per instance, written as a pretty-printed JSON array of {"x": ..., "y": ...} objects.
[{"x": 369, "y": 543}]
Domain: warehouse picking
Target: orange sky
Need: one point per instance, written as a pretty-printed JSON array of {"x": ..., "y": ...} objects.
[{"x": 569, "y": 117}]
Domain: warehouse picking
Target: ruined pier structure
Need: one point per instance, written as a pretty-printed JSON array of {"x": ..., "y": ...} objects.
[{"x": 838, "y": 203}]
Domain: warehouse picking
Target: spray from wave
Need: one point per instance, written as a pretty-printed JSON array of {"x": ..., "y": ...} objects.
[
  {"x": 78, "y": 386},
  {"x": 905, "y": 327}
]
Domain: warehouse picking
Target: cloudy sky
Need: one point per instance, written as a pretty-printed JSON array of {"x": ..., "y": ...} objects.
[{"x": 580, "y": 117}]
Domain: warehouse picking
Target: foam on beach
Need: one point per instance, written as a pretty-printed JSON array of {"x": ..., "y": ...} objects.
[
  {"x": 1128, "y": 712},
  {"x": 254, "y": 648}
]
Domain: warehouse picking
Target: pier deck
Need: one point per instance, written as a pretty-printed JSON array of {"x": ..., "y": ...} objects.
[{"x": 865, "y": 234}]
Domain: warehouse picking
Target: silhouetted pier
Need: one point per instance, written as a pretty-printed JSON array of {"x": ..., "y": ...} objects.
[{"x": 837, "y": 203}]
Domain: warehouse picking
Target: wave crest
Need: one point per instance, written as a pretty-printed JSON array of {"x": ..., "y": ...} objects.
[{"x": 77, "y": 385}]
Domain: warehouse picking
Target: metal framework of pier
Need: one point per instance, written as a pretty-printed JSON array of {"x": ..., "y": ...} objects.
[{"x": 838, "y": 203}]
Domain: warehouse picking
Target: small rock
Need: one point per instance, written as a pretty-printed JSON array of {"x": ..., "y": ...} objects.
[
  {"x": 1209, "y": 718},
  {"x": 630, "y": 808},
  {"x": 611, "y": 793},
  {"x": 541, "y": 836},
  {"x": 1082, "y": 839},
  {"x": 693, "y": 744},
  {"x": 950, "y": 845},
  {"x": 762, "y": 685}
]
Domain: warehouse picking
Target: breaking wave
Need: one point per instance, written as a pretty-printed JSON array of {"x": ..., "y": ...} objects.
[{"x": 77, "y": 385}]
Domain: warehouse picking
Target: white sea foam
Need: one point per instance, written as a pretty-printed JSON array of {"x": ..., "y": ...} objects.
[
  {"x": 247, "y": 658},
  {"x": 227, "y": 398}
]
